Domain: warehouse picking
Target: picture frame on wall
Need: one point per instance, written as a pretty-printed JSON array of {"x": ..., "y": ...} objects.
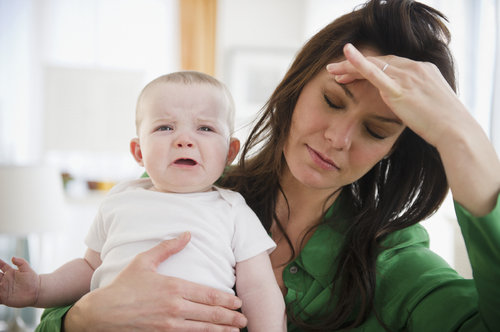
[{"x": 252, "y": 74}]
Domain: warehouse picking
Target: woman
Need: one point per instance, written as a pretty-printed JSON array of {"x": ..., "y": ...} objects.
[{"x": 340, "y": 168}]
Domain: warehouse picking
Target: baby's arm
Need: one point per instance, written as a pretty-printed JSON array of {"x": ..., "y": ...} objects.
[
  {"x": 23, "y": 287},
  {"x": 263, "y": 303}
]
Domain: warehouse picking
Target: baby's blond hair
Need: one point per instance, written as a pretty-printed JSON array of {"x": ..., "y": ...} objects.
[{"x": 188, "y": 77}]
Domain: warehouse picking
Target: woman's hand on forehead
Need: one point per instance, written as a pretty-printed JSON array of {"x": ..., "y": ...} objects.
[
  {"x": 415, "y": 91},
  {"x": 419, "y": 95}
]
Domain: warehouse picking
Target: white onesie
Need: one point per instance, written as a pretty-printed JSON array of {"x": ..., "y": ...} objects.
[{"x": 132, "y": 219}]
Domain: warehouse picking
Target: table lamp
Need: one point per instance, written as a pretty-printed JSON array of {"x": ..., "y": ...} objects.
[{"x": 31, "y": 201}]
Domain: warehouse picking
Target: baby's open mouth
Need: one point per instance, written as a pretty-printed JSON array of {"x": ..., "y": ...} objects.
[{"x": 185, "y": 161}]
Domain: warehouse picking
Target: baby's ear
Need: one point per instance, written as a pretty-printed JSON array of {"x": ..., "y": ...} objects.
[
  {"x": 135, "y": 149},
  {"x": 234, "y": 148}
]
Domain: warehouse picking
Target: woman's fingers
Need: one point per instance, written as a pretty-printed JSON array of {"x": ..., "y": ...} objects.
[
  {"x": 375, "y": 70},
  {"x": 179, "y": 304},
  {"x": 194, "y": 326},
  {"x": 156, "y": 303},
  {"x": 345, "y": 72},
  {"x": 205, "y": 304},
  {"x": 195, "y": 292},
  {"x": 213, "y": 314},
  {"x": 154, "y": 256},
  {"x": 210, "y": 296}
]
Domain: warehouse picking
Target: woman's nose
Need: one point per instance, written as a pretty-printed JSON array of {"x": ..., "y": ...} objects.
[{"x": 340, "y": 134}]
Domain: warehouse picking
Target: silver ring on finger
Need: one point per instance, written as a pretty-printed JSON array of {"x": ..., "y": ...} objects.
[{"x": 385, "y": 67}]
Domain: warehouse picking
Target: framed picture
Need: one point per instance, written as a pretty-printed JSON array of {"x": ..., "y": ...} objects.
[{"x": 252, "y": 74}]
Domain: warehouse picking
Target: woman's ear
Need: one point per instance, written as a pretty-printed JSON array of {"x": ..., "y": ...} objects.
[
  {"x": 234, "y": 148},
  {"x": 135, "y": 149}
]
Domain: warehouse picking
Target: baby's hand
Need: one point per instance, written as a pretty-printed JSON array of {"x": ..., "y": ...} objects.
[{"x": 18, "y": 287}]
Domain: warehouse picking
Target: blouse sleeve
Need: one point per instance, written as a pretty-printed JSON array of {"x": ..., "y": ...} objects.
[
  {"x": 418, "y": 291},
  {"x": 52, "y": 319},
  {"x": 467, "y": 305},
  {"x": 482, "y": 240}
]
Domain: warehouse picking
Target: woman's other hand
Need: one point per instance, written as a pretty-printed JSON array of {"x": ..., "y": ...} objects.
[{"x": 143, "y": 300}]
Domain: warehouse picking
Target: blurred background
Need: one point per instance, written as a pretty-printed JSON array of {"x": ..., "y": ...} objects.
[{"x": 71, "y": 70}]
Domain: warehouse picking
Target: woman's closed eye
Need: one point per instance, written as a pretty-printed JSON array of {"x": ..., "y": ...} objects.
[
  {"x": 331, "y": 104},
  {"x": 383, "y": 129},
  {"x": 374, "y": 130},
  {"x": 374, "y": 133}
]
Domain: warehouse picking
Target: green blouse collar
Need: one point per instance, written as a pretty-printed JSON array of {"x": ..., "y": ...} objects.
[{"x": 316, "y": 256}]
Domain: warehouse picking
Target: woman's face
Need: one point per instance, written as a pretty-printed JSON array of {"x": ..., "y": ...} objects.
[{"x": 338, "y": 132}]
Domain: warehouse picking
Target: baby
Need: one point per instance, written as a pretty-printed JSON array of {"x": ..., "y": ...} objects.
[{"x": 184, "y": 123}]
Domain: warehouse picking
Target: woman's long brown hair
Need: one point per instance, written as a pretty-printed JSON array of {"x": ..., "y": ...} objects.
[{"x": 398, "y": 192}]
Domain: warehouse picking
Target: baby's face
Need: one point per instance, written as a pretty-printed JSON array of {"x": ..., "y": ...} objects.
[{"x": 184, "y": 135}]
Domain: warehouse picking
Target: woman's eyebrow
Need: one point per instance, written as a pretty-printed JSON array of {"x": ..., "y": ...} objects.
[
  {"x": 390, "y": 120},
  {"x": 347, "y": 92}
]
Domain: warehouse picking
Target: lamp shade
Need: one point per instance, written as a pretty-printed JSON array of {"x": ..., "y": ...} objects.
[{"x": 31, "y": 199}]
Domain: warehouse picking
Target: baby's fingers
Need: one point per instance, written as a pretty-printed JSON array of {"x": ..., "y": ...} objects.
[
  {"x": 5, "y": 267},
  {"x": 22, "y": 264}
]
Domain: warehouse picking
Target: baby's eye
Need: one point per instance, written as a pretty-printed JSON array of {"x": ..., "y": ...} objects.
[
  {"x": 206, "y": 128},
  {"x": 164, "y": 128}
]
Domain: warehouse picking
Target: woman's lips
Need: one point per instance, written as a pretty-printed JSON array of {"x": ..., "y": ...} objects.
[{"x": 321, "y": 160}]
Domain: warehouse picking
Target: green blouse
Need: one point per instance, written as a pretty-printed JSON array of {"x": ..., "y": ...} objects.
[{"x": 416, "y": 289}]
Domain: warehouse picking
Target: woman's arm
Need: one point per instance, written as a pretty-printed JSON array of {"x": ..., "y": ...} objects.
[
  {"x": 263, "y": 302},
  {"x": 419, "y": 95},
  {"x": 143, "y": 300}
]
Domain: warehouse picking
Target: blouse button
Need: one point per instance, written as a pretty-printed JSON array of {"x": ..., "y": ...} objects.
[{"x": 293, "y": 269}]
